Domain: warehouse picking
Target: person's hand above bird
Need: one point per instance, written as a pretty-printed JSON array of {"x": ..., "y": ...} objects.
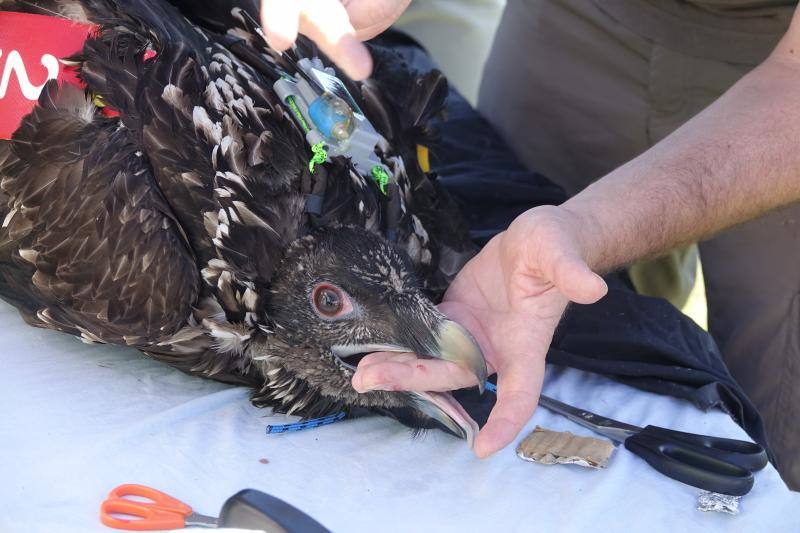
[
  {"x": 510, "y": 297},
  {"x": 337, "y": 27}
]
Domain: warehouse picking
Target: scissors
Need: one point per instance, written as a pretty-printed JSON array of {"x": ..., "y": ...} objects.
[
  {"x": 248, "y": 509},
  {"x": 162, "y": 512},
  {"x": 716, "y": 464}
]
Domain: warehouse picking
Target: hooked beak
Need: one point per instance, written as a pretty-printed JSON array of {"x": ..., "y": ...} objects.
[
  {"x": 450, "y": 342},
  {"x": 444, "y": 409},
  {"x": 458, "y": 346}
]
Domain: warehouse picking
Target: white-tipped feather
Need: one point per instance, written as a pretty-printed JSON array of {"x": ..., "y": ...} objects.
[
  {"x": 176, "y": 99},
  {"x": 210, "y": 129},
  {"x": 29, "y": 255}
]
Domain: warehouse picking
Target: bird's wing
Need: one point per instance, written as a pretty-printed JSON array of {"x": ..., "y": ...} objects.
[
  {"x": 401, "y": 103},
  {"x": 88, "y": 245},
  {"x": 165, "y": 310},
  {"x": 226, "y": 158}
]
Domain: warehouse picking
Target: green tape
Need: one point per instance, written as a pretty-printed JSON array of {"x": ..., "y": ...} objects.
[
  {"x": 297, "y": 113},
  {"x": 319, "y": 157},
  {"x": 381, "y": 178}
]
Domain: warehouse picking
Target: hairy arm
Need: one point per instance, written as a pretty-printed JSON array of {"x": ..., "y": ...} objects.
[{"x": 738, "y": 159}]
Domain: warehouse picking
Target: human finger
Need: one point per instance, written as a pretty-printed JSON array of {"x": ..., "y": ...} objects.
[
  {"x": 518, "y": 387},
  {"x": 382, "y": 357},
  {"x": 327, "y": 23},
  {"x": 399, "y": 373},
  {"x": 280, "y": 20},
  {"x": 371, "y": 17},
  {"x": 575, "y": 280}
]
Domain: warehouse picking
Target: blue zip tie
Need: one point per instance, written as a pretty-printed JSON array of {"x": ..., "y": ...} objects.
[
  {"x": 306, "y": 424},
  {"x": 490, "y": 387}
]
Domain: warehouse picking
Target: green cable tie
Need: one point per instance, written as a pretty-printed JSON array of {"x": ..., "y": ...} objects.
[
  {"x": 381, "y": 177},
  {"x": 297, "y": 113},
  {"x": 319, "y": 157}
]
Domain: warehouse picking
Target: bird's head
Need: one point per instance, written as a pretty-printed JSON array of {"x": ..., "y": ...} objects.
[{"x": 340, "y": 294}]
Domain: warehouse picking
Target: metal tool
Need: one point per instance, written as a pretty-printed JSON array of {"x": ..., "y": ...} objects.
[
  {"x": 248, "y": 508},
  {"x": 716, "y": 464}
]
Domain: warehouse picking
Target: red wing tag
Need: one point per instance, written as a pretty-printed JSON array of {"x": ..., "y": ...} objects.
[{"x": 30, "y": 50}]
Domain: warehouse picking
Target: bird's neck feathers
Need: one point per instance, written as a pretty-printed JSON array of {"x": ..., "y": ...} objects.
[{"x": 284, "y": 387}]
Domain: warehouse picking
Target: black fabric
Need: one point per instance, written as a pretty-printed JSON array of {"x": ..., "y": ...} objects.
[{"x": 640, "y": 341}]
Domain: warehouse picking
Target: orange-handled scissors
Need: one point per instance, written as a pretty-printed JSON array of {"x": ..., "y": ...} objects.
[{"x": 162, "y": 512}]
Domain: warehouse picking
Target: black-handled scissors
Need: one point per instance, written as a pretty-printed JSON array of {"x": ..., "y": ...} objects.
[{"x": 711, "y": 463}]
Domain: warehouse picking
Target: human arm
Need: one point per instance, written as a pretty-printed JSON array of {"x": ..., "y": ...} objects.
[{"x": 736, "y": 160}]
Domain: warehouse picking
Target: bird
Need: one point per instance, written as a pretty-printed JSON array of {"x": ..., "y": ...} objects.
[{"x": 172, "y": 202}]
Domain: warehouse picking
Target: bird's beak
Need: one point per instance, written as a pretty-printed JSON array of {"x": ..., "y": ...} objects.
[
  {"x": 455, "y": 344},
  {"x": 444, "y": 409},
  {"x": 449, "y": 342}
]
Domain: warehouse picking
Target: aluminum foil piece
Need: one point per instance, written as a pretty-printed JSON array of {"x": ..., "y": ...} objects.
[
  {"x": 716, "y": 502},
  {"x": 562, "y": 447}
]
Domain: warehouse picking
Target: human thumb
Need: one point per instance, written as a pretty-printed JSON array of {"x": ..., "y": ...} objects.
[{"x": 575, "y": 280}]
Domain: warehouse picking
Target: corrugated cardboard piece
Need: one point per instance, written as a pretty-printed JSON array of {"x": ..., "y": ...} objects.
[{"x": 562, "y": 447}]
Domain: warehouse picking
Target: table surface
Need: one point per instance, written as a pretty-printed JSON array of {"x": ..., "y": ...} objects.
[{"x": 82, "y": 419}]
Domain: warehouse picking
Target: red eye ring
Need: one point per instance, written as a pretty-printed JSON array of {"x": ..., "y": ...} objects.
[{"x": 330, "y": 301}]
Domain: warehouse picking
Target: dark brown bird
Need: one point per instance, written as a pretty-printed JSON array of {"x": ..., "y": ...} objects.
[{"x": 189, "y": 224}]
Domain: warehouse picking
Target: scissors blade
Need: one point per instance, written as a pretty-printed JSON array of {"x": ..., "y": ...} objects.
[
  {"x": 613, "y": 429},
  {"x": 201, "y": 520}
]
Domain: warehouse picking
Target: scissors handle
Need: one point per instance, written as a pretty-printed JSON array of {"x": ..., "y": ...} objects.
[
  {"x": 165, "y": 512},
  {"x": 710, "y": 463},
  {"x": 148, "y": 517},
  {"x": 747, "y": 455}
]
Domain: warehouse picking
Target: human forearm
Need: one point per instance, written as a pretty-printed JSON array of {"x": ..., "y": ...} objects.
[{"x": 736, "y": 160}]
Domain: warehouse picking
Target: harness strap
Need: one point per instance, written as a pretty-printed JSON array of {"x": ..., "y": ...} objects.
[
  {"x": 314, "y": 184},
  {"x": 314, "y": 204},
  {"x": 392, "y": 211}
]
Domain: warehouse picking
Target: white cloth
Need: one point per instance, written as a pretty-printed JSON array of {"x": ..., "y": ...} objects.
[{"x": 80, "y": 420}]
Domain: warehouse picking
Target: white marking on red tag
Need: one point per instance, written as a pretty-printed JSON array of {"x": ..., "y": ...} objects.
[{"x": 31, "y": 47}]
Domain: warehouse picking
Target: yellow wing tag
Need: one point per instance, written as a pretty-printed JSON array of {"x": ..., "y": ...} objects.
[{"x": 422, "y": 157}]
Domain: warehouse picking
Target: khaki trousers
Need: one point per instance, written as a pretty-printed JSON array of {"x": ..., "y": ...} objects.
[{"x": 579, "y": 87}]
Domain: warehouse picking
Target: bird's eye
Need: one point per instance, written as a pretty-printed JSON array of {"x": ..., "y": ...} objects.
[{"x": 330, "y": 301}]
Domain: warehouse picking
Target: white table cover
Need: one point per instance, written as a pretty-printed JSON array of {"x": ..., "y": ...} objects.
[{"x": 79, "y": 420}]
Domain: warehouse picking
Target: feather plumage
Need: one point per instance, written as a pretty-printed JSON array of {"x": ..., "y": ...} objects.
[{"x": 174, "y": 226}]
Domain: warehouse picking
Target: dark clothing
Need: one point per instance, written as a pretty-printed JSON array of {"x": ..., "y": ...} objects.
[
  {"x": 577, "y": 88},
  {"x": 641, "y": 341}
]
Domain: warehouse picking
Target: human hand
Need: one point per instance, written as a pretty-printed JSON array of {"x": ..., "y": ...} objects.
[
  {"x": 510, "y": 297},
  {"x": 338, "y": 27}
]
